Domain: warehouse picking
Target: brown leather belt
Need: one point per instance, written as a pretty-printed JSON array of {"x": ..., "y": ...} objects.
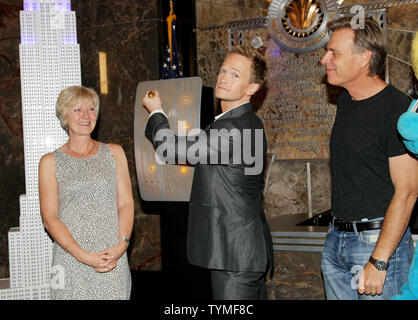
[{"x": 348, "y": 226}]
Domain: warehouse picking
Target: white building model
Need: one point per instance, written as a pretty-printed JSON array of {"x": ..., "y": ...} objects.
[{"x": 49, "y": 62}]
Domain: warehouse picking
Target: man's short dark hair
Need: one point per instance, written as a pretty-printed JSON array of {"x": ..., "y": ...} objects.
[{"x": 258, "y": 63}]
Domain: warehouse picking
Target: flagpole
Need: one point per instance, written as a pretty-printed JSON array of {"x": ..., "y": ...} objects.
[
  {"x": 171, "y": 67},
  {"x": 170, "y": 19}
]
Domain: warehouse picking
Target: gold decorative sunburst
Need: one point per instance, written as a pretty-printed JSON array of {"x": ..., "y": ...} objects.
[
  {"x": 299, "y": 26},
  {"x": 302, "y": 15}
]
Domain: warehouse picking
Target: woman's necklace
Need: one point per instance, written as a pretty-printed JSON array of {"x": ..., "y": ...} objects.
[{"x": 80, "y": 154}]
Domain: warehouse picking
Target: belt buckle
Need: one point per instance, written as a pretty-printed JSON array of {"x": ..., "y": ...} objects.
[
  {"x": 345, "y": 225},
  {"x": 348, "y": 226},
  {"x": 342, "y": 225}
]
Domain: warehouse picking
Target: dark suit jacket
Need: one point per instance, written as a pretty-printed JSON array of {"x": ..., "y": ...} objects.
[{"x": 227, "y": 228}]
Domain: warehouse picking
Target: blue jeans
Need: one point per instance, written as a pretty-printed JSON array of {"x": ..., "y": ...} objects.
[{"x": 346, "y": 253}]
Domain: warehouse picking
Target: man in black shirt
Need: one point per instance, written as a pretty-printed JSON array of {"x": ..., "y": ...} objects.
[{"x": 375, "y": 180}]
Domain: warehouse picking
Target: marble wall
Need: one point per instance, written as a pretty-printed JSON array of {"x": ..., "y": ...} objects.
[
  {"x": 402, "y": 25},
  {"x": 288, "y": 190}
]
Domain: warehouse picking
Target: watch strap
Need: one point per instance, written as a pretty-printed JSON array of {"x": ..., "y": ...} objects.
[
  {"x": 380, "y": 265},
  {"x": 125, "y": 239}
]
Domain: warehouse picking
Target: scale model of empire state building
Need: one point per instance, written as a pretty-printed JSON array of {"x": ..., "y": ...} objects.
[{"x": 49, "y": 62}]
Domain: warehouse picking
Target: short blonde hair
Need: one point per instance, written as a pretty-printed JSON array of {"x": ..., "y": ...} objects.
[{"x": 71, "y": 96}]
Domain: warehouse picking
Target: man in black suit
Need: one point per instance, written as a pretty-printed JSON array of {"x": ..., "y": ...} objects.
[{"x": 227, "y": 229}]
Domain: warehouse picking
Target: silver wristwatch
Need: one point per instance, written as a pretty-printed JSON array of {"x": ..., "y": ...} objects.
[
  {"x": 380, "y": 265},
  {"x": 126, "y": 239}
]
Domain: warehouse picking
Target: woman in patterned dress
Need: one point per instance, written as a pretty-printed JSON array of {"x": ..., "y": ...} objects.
[{"x": 86, "y": 205}]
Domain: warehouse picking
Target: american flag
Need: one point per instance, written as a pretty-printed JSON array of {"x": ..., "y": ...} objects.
[{"x": 171, "y": 66}]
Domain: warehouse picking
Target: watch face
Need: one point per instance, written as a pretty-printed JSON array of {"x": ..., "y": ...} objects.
[{"x": 380, "y": 265}]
